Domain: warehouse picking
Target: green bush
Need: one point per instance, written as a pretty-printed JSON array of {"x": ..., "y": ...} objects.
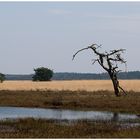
[
  {"x": 2, "y": 77},
  {"x": 42, "y": 74}
]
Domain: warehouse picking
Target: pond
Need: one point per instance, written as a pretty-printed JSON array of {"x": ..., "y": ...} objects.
[{"x": 63, "y": 114}]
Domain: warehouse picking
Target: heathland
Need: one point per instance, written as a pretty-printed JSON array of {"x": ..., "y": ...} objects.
[
  {"x": 75, "y": 94},
  {"x": 73, "y": 85}
]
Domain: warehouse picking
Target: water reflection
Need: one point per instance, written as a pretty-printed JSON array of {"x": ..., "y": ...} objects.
[
  {"x": 115, "y": 117},
  {"x": 61, "y": 114}
]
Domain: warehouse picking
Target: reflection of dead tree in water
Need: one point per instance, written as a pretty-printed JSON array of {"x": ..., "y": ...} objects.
[
  {"x": 115, "y": 117},
  {"x": 108, "y": 61}
]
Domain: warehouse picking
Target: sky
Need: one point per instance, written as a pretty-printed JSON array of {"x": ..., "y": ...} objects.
[{"x": 47, "y": 34}]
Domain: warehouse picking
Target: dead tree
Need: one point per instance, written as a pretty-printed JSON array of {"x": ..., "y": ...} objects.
[{"x": 109, "y": 62}]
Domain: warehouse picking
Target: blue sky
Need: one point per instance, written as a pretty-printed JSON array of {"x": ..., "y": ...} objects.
[{"x": 34, "y": 34}]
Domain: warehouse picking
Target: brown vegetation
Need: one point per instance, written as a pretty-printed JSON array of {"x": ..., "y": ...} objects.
[
  {"x": 31, "y": 128},
  {"x": 20, "y": 94},
  {"x": 97, "y": 100}
]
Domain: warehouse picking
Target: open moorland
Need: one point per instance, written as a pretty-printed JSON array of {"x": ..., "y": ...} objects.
[
  {"x": 85, "y": 100},
  {"x": 77, "y": 95},
  {"x": 73, "y": 85}
]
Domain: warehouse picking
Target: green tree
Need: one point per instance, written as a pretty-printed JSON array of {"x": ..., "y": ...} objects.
[
  {"x": 42, "y": 74},
  {"x": 2, "y": 77}
]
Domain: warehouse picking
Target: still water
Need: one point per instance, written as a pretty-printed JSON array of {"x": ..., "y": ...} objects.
[{"x": 62, "y": 114}]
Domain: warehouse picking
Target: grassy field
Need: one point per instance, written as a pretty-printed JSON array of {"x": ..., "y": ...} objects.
[
  {"x": 87, "y": 100},
  {"x": 88, "y": 85},
  {"x": 80, "y": 95},
  {"x": 31, "y": 128}
]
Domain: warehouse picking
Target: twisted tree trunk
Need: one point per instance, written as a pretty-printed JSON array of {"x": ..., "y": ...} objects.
[{"x": 115, "y": 83}]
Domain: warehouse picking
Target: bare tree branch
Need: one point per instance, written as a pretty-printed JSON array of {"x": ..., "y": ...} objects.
[
  {"x": 116, "y": 51},
  {"x": 94, "y": 61},
  {"x": 79, "y": 51}
]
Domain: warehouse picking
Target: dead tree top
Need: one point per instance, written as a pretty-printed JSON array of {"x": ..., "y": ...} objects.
[{"x": 110, "y": 57}]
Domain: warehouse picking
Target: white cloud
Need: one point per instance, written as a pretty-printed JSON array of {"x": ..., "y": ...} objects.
[{"x": 58, "y": 11}]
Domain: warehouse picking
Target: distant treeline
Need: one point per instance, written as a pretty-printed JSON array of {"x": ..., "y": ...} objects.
[{"x": 78, "y": 76}]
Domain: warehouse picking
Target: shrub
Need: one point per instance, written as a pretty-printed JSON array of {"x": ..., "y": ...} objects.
[
  {"x": 2, "y": 77},
  {"x": 42, "y": 74}
]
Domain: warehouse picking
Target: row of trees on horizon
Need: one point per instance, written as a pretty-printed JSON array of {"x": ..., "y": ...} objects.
[{"x": 77, "y": 76}]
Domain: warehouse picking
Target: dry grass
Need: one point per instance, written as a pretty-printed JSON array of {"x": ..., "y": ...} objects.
[
  {"x": 88, "y": 85},
  {"x": 96, "y": 100},
  {"x": 31, "y": 128},
  {"x": 72, "y": 96}
]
